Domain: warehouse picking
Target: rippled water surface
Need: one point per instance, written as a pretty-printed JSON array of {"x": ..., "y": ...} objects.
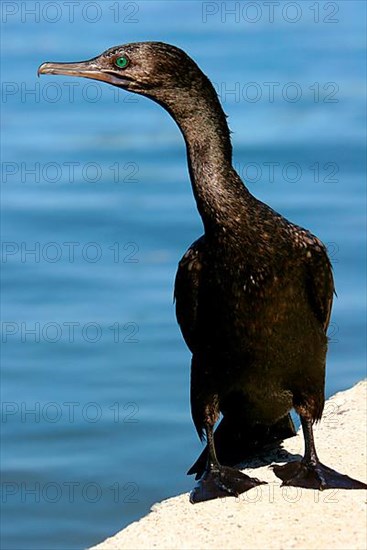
[{"x": 95, "y": 380}]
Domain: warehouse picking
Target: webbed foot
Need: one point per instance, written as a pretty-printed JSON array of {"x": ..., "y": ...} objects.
[
  {"x": 315, "y": 476},
  {"x": 220, "y": 482}
]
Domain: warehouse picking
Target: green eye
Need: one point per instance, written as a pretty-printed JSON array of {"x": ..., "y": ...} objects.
[{"x": 121, "y": 62}]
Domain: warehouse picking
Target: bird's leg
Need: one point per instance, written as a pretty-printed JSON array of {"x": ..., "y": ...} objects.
[
  {"x": 310, "y": 472},
  {"x": 220, "y": 481},
  {"x": 212, "y": 461}
]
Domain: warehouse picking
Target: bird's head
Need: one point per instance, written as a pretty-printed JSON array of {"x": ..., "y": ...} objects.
[{"x": 153, "y": 69}]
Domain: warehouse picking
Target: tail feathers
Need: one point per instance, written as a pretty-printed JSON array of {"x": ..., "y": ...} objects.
[{"x": 235, "y": 443}]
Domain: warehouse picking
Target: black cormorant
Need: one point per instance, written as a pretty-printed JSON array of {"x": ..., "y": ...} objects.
[{"x": 253, "y": 294}]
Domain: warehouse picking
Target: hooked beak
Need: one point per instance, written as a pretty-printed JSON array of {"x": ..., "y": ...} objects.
[{"x": 86, "y": 69}]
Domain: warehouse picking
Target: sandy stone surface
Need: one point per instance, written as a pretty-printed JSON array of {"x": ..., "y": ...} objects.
[{"x": 271, "y": 516}]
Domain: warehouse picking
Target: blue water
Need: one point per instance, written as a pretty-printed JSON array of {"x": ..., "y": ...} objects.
[{"x": 110, "y": 432}]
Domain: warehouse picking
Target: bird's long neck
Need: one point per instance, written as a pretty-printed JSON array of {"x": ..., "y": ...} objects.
[{"x": 217, "y": 188}]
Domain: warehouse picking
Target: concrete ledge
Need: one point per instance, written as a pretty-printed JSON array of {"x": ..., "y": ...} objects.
[{"x": 270, "y": 516}]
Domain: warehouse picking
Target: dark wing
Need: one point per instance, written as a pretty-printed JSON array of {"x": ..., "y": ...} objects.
[
  {"x": 186, "y": 292},
  {"x": 320, "y": 282}
]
